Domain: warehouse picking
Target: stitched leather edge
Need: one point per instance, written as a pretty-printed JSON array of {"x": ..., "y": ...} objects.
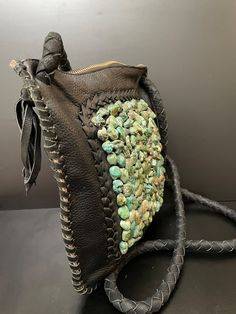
[{"x": 52, "y": 148}]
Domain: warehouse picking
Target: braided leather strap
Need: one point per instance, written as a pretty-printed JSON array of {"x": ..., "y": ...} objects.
[
  {"x": 157, "y": 104},
  {"x": 162, "y": 294}
]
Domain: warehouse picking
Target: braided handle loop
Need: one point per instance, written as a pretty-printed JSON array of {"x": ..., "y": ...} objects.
[
  {"x": 54, "y": 57},
  {"x": 162, "y": 294}
]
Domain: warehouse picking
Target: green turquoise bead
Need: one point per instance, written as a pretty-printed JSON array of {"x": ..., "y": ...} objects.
[
  {"x": 158, "y": 172},
  {"x": 133, "y": 226},
  {"x": 117, "y": 186},
  {"x": 158, "y": 206},
  {"x": 125, "y": 224},
  {"x": 123, "y": 212},
  {"x": 121, "y": 160},
  {"x": 123, "y": 247},
  {"x": 107, "y": 146},
  {"x": 115, "y": 172},
  {"x": 136, "y": 231},
  {"x": 126, "y": 235},
  {"x": 131, "y": 202},
  {"x": 112, "y": 159},
  {"x": 121, "y": 131},
  {"x": 128, "y": 123}
]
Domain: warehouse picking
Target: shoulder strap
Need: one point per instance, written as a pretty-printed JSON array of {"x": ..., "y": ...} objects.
[{"x": 162, "y": 294}]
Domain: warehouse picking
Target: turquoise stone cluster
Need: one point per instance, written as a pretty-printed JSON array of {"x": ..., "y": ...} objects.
[{"x": 131, "y": 140}]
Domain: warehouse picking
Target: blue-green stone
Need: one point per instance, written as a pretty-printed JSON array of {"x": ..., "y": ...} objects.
[
  {"x": 136, "y": 231},
  {"x": 125, "y": 224},
  {"x": 121, "y": 160},
  {"x": 119, "y": 121},
  {"x": 131, "y": 202},
  {"x": 148, "y": 188},
  {"x": 158, "y": 205},
  {"x": 126, "y": 235},
  {"x": 128, "y": 123},
  {"x": 154, "y": 162},
  {"x": 112, "y": 159},
  {"x": 133, "y": 226},
  {"x": 160, "y": 162},
  {"x": 115, "y": 172},
  {"x": 117, "y": 186},
  {"x": 107, "y": 146},
  {"x": 123, "y": 247},
  {"x": 158, "y": 172},
  {"x": 121, "y": 131},
  {"x": 123, "y": 212},
  {"x": 123, "y": 116}
]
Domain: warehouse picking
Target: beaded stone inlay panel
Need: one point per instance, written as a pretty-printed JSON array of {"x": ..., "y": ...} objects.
[{"x": 131, "y": 140}]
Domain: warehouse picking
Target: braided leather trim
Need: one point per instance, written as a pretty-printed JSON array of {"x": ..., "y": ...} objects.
[
  {"x": 102, "y": 166},
  {"x": 52, "y": 147},
  {"x": 158, "y": 108}
]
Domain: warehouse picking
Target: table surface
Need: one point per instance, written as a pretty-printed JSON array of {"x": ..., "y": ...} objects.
[{"x": 35, "y": 276}]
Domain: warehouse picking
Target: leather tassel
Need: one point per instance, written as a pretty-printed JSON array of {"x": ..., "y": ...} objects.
[{"x": 29, "y": 125}]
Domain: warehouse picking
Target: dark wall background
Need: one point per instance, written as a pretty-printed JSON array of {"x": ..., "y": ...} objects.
[{"x": 190, "y": 49}]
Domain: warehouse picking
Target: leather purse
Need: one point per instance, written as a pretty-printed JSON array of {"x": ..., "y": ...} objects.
[{"x": 105, "y": 134}]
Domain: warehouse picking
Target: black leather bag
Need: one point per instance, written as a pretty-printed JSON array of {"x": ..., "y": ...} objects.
[{"x": 105, "y": 134}]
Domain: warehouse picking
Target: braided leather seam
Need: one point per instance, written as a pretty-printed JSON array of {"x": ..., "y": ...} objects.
[
  {"x": 102, "y": 166},
  {"x": 52, "y": 148}
]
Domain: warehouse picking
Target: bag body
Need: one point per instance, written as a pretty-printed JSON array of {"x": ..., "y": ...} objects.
[
  {"x": 105, "y": 134},
  {"x": 101, "y": 135}
]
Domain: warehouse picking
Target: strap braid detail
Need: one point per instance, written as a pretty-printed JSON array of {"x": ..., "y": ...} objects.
[
  {"x": 163, "y": 292},
  {"x": 158, "y": 107}
]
